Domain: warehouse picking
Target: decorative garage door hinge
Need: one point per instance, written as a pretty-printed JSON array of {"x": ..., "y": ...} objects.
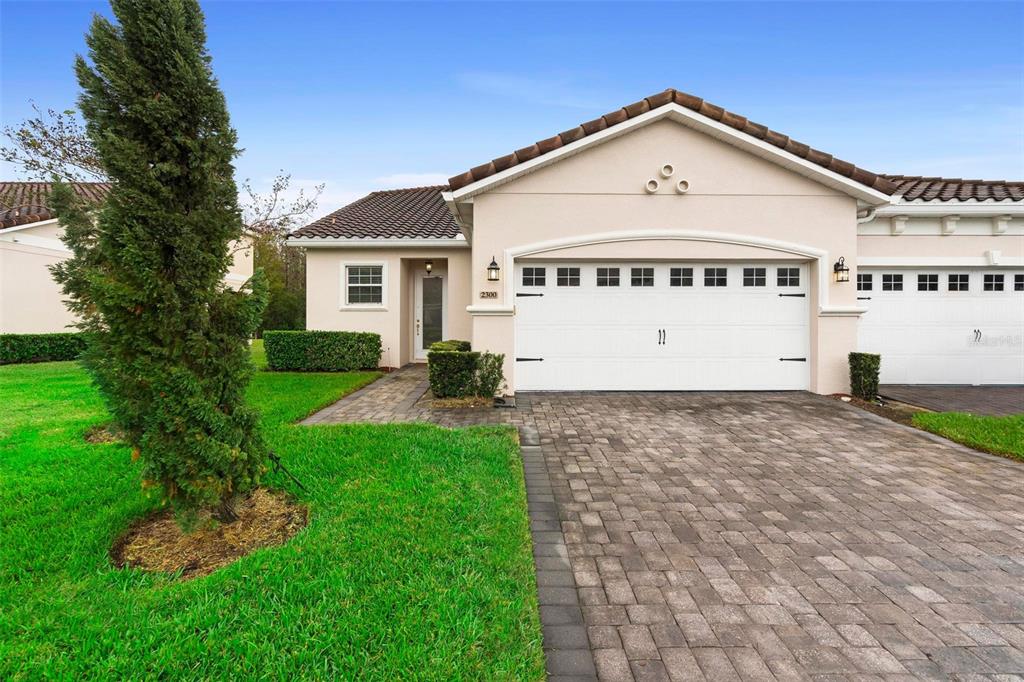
[
  {"x": 529, "y": 359},
  {"x": 530, "y": 295},
  {"x": 792, "y": 359},
  {"x": 792, "y": 295}
]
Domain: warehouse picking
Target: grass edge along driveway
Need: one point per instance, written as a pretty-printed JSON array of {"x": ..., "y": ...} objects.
[
  {"x": 1002, "y": 435},
  {"x": 416, "y": 563}
]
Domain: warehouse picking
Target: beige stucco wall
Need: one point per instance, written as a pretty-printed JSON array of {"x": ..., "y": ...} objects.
[
  {"x": 601, "y": 190},
  {"x": 394, "y": 320},
  {"x": 31, "y": 302}
]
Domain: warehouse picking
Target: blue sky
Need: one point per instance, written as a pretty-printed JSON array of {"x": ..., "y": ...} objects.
[{"x": 363, "y": 96}]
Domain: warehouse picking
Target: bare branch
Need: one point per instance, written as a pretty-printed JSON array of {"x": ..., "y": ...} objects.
[{"x": 52, "y": 144}]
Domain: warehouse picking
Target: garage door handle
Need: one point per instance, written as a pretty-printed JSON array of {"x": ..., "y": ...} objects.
[
  {"x": 529, "y": 359},
  {"x": 863, "y": 298},
  {"x": 792, "y": 359},
  {"x": 792, "y": 295},
  {"x": 525, "y": 295}
]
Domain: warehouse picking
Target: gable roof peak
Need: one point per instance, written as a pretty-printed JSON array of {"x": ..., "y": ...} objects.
[{"x": 671, "y": 96}]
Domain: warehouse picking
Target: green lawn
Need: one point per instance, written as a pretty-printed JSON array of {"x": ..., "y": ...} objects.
[
  {"x": 998, "y": 435},
  {"x": 416, "y": 563}
]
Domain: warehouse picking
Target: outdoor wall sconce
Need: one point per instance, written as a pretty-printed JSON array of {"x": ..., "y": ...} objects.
[
  {"x": 429, "y": 265},
  {"x": 842, "y": 273},
  {"x": 492, "y": 270}
]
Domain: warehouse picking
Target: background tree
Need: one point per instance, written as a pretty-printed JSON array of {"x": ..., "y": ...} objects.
[
  {"x": 168, "y": 346},
  {"x": 54, "y": 144}
]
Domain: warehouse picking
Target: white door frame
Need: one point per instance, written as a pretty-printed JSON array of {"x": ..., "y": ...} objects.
[{"x": 419, "y": 352}]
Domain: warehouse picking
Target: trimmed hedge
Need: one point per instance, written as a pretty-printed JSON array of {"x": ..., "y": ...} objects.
[
  {"x": 321, "y": 351},
  {"x": 864, "y": 369},
  {"x": 453, "y": 344},
  {"x": 452, "y": 373},
  {"x": 456, "y": 371},
  {"x": 21, "y": 348}
]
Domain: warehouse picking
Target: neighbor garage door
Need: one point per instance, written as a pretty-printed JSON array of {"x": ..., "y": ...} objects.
[
  {"x": 661, "y": 326},
  {"x": 943, "y": 326}
]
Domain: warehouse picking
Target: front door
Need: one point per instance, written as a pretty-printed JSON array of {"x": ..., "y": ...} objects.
[{"x": 430, "y": 313}]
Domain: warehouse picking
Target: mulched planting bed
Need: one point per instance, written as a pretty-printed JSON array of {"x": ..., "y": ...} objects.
[
  {"x": 897, "y": 412},
  {"x": 157, "y": 543}
]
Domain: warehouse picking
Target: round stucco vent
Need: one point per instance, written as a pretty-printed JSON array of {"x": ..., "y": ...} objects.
[
  {"x": 683, "y": 186},
  {"x": 652, "y": 186},
  {"x": 667, "y": 170}
]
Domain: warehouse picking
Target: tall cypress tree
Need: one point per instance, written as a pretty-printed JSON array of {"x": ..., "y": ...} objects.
[{"x": 169, "y": 345}]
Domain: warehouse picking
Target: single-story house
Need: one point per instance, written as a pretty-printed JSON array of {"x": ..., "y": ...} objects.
[
  {"x": 673, "y": 245},
  {"x": 31, "y": 302}
]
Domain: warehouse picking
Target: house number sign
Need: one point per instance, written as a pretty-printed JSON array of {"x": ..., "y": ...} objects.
[{"x": 488, "y": 294}]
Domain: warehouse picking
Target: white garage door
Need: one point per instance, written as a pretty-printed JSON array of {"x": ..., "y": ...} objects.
[
  {"x": 942, "y": 326},
  {"x": 663, "y": 326}
]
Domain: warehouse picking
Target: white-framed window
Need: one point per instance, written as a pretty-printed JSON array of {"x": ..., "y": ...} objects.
[
  {"x": 864, "y": 281},
  {"x": 959, "y": 282},
  {"x": 364, "y": 285},
  {"x": 715, "y": 277},
  {"x": 928, "y": 282},
  {"x": 1018, "y": 282},
  {"x": 567, "y": 277},
  {"x": 993, "y": 282}
]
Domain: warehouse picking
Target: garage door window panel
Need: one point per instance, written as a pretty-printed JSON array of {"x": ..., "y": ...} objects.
[
  {"x": 892, "y": 282},
  {"x": 754, "y": 277},
  {"x": 928, "y": 282},
  {"x": 959, "y": 282},
  {"x": 568, "y": 277},
  {"x": 607, "y": 277},
  {"x": 715, "y": 277},
  {"x": 864, "y": 281},
  {"x": 788, "y": 277},
  {"x": 534, "y": 277},
  {"x": 1018, "y": 282},
  {"x": 641, "y": 277},
  {"x": 993, "y": 283},
  {"x": 680, "y": 277}
]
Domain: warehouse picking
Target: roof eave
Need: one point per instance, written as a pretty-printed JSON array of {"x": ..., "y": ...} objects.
[
  {"x": 698, "y": 122},
  {"x": 369, "y": 243}
]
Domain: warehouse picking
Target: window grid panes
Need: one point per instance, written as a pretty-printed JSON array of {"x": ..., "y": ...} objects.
[
  {"x": 568, "y": 277},
  {"x": 680, "y": 277},
  {"x": 959, "y": 282},
  {"x": 607, "y": 277},
  {"x": 534, "y": 277},
  {"x": 892, "y": 282},
  {"x": 641, "y": 277},
  {"x": 864, "y": 282},
  {"x": 788, "y": 277},
  {"x": 715, "y": 277},
  {"x": 1018, "y": 282},
  {"x": 927, "y": 282},
  {"x": 754, "y": 277},
  {"x": 365, "y": 284},
  {"x": 993, "y": 283}
]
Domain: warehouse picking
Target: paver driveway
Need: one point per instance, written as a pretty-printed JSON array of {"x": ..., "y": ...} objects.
[
  {"x": 786, "y": 535},
  {"x": 687, "y": 535}
]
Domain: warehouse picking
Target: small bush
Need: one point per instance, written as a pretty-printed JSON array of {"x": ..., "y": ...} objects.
[
  {"x": 452, "y": 373},
  {"x": 21, "y": 348},
  {"x": 321, "y": 351},
  {"x": 864, "y": 368},
  {"x": 453, "y": 344},
  {"x": 489, "y": 376}
]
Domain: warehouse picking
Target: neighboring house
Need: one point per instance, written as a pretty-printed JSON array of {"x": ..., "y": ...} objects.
[
  {"x": 672, "y": 245},
  {"x": 30, "y": 241}
]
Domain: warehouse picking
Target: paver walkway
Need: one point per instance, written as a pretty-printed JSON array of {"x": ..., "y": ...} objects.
[
  {"x": 763, "y": 536},
  {"x": 992, "y": 400}
]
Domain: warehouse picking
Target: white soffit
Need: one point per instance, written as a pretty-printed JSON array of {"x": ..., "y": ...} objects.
[{"x": 692, "y": 120}]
